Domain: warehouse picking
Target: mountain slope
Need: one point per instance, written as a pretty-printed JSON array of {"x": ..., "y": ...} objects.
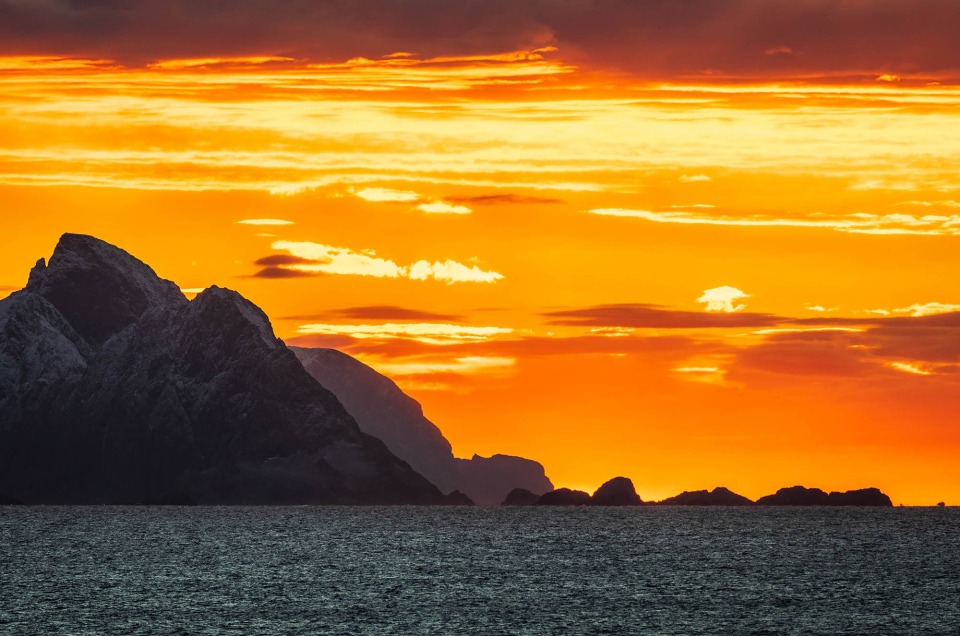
[
  {"x": 115, "y": 389},
  {"x": 382, "y": 409}
]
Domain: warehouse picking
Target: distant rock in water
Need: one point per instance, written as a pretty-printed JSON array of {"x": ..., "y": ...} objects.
[
  {"x": 383, "y": 410},
  {"x": 863, "y": 497},
  {"x": 717, "y": 497},
  {"x": 796, "y": 496},
  {"x": 564, "y": 497},
  {"x": 457, "y": 498},
  {"x": 619, "y": 491},
  {"x": 520, "y": 497},
  {"x": 801, "y": 496},
  {"x": 115, "y": 389}
]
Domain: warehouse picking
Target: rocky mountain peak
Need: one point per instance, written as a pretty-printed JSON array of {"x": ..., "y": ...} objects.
[
  {"x": 226, "y": 307},
  {"x": 99, "y": 288}
]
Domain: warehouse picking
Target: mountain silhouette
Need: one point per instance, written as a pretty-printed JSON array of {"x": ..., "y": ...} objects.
[
  {"x": 116, "y": 389},
  {"x": 382, "y": 409}
]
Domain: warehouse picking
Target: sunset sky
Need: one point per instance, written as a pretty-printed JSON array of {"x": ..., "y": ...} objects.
[{"x": 695, "y": 243}]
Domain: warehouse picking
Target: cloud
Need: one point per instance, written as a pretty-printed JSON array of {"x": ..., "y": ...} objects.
[
  {"x": 468, "y": 365},
  {"x": 426, "y": 333},
  {"x": 503, "y": 199},
  {"x": 669, "y": 349},
  {"x": 386, "y": 195},
  {"x": 264, "y": 222},
  {"x": 284, "y": 259},
  {"x": 922, "y": 345},
  {"x": 383, "y": 312},
  {"x": 641, "y": 316},
  {"x": 339, "y": 260},
  {"x": 947, "y": 203},
  {"x": 328, "y": 259},
  {"x": 451, "y": 272},
  {"x": 907, "y": 367},
  {"x": 928, "y": 309},
  {"x": 283, "y": 272},
  {"x": 804, "y": 354},
  {"x": 722, "y": 299},
  {"x": 441, "y": 207},
  {"x": 652, "y": 38},
  {"x": 695, "y": 178},
  {"x": 858, "y": 223},
  {"x": 779, "y": 50}
]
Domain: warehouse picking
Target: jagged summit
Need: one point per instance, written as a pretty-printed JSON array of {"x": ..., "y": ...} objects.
[
  {"x": 99, "y": 288},
  {"x": 115, "y": 389},
  {"x": 228, "y": 307}
]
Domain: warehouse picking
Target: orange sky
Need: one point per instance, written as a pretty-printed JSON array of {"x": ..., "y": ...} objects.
[{"x": 526, "y": 238}]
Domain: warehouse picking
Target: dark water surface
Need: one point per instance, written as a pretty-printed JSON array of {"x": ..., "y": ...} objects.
[{"x": 402, "y": 570}]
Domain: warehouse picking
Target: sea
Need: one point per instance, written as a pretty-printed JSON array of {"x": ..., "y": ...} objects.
[{"x": 460, "y": 570}]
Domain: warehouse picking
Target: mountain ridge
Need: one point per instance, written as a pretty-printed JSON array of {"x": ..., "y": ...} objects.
[{"x": 114, "y": 388}]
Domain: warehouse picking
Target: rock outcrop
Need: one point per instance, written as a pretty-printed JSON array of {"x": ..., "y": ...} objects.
[
  {"x": 564, "y": 497},
  {"x": 115, "y": 389},
  {"x": 801, "y": 496},
  {"x": 489, "y": 479},
  {"x": 457, "y": 498},
  {"x": 383, "y": 410},
  {"x": 717, "y": 497},
  {"x": 520, "y": 497},
  {"x": 619, "y": 491}
]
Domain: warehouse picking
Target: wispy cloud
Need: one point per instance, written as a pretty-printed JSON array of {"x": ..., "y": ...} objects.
[
  {"x": 859, "y": 223},
  {"x": 382, "y": 312},
  {"x": 275, "y": 222},
  {"x": 642, "y": 316},
  {"x": 502, "y": 199},
  {"x": 427, "y": 333},
  {"x": 467, "y": 365},
  {"x": 442, "y": 207},
  {"x": 386, "y": 195},
  {"x": 917, "y": 310}
]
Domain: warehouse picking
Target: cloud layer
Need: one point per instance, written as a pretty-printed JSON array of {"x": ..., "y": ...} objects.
[{"x": 654, "y": 37}]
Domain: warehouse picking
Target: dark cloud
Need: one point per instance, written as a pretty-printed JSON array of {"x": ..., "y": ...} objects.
[
  {"x": 282, "y": 272},
  {"x": 641, "y": 316},
  {"x": 822, "y": 357},
  {"x": 380, "y": 312},
  {"x": 649, "y": 37},
  {"x": 929, "y": 342},
  {"x": 503, "y": 199},
  {"x": 283, "y": 259}
]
